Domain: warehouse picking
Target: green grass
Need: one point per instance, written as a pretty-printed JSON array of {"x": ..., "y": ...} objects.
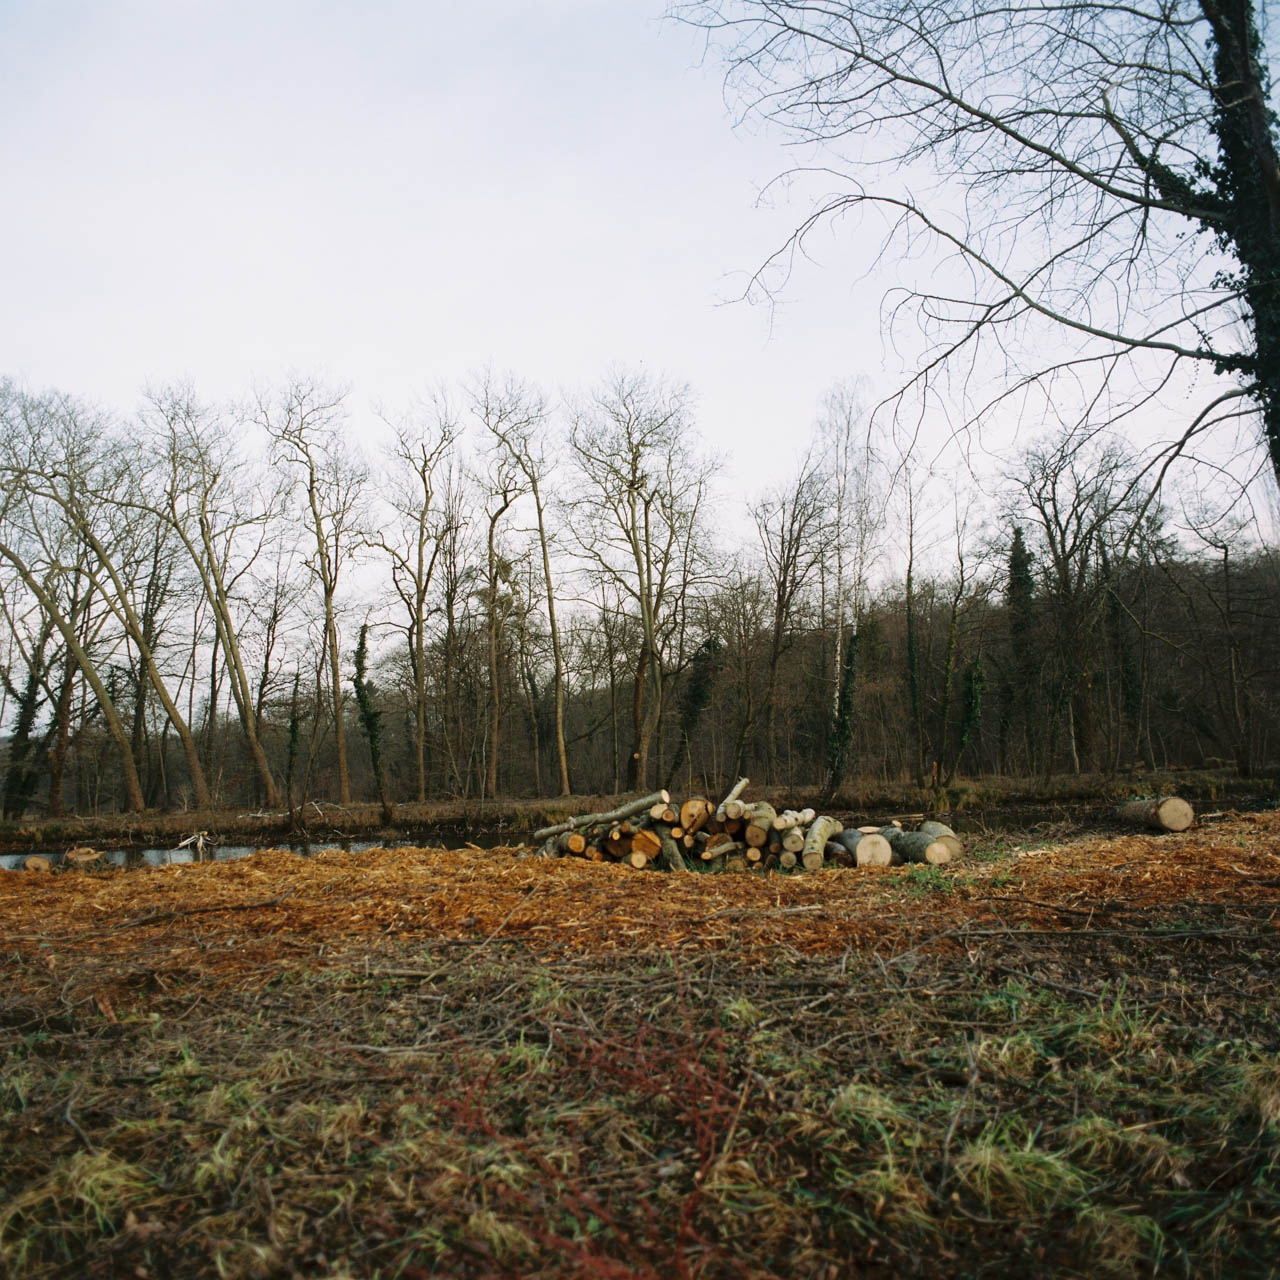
[{"x": 655, "y": 1115}]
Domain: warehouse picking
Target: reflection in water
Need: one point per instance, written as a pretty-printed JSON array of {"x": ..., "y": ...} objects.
[{"x": 178, "y": 856}]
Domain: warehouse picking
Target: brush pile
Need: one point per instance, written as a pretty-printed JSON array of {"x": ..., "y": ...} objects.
[{"x": 737, "y": 835}]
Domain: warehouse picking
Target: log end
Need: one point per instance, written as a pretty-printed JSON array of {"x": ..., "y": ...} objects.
[{"x": 1175, "y": 814}]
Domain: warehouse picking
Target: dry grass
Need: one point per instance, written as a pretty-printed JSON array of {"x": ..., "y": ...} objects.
[{"x": 461, "y": 1064}]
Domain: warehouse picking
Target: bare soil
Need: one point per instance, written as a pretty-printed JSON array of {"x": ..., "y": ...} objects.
[{"x": 1060, "y": 1054}]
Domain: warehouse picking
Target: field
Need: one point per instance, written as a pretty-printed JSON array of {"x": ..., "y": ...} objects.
[{"x": 1061, "y": 1055}]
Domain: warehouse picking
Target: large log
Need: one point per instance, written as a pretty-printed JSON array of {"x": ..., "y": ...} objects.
[
  {"x": 820, "y": 831},
  {"x": 932, "y": 828},
  {"x": 646, "y": 842},
  {"x": 793, "y": 839},
  {"x": 695, "y": 812},
  {"x": 873, "y": 851},
  {"x": 571, "y": 842},
  {"x": 869, "y": 848},
  {"x": 760, "y": 825},
  {"x": 37, "y": 862},
  {"x": 738, "y": 788},
  {"x": 916, "y": 846},
  {"x": 614, "y": 815},
  {"x": 1171, "y": 813}
]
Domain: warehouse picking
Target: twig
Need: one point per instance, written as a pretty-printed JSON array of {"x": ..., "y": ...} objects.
[
  {"x": 138, "y": 921},
  {"x": 751, "y": 911},
  {"x": 71, "y": 1120}
]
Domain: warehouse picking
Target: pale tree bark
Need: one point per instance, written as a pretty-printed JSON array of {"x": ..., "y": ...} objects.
[
  {"x": 223, "y": 522},
  {"x": 67, "y": 460},
  {"x": 306, "y": 421},
  {"x": 115, "y": 726},
  {"x": 516, "y": 415}
]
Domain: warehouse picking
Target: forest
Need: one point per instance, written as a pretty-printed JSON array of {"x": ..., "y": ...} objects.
[{"x": 504, "y": 594}]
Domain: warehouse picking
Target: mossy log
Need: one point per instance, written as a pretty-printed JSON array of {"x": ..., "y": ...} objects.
[
  {"x": 916, "y": 846},
  {"x": 932, "y": 828}
]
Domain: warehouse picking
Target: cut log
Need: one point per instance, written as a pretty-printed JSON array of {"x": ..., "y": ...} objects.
[
  {"x": 638, "y": 860},
  {"x": 721, "y": 840},
  {"x": 787, "y": 819},
  {"x": 37, "y": 862},
  {"x": 916, "y": 846},
  {"x": 614, "y": 815},
  {"x": 870, "y": 831},
  {"x": 873, "y": 850},
  {"x": 931, "y": 828},
  {"x": 737, "y": 863},
  {"x": 820, "y": 831},
  {"x": 760, "y": 824},
  {"x": 695, "y": 812},
  {"x": 738, "y": 788},
  {"x": 82, "y": 856},
  {"x": 734, "y": 809},
  {"x": 954, "y": 843},
  {"x": 1171, "y": 813},
  {"x": 646, "y": 842},
  {"x": 786, "y": 859},
  {"x": 836, "y": 855},
  {"x": 671, "y": 858},
  {"x": 793, "y": 839},
  {"x": 733, "y": 826},
  {"x": 710, "y": 854},
  {"x": 571, "y": 842}
]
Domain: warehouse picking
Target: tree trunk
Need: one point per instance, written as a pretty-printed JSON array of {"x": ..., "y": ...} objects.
[{"x": 1169, "y": 814}]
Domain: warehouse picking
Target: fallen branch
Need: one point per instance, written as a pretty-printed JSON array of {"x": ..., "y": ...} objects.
[{"x": 156, "y": 916}]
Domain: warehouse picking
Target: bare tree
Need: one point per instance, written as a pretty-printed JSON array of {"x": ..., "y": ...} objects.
[
  {"x": 502, "y": 486},
  {"x": 792, "y": 523},
  {"x": 637, "y": 504},
  {"x": 32, "y": 526},
  {"x": 201, "y": 488},
  {"x": 306, "y": 420},
  {"x": 1110, "y": 188},
  {"x": 412, "y": 544},
  {"x": 516, "y": 414}
]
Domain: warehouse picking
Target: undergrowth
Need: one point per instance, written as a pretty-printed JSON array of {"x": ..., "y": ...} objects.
[{"x": 486, "y": 1113}]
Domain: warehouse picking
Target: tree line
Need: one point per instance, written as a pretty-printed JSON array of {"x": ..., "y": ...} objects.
[{"x": 203, "y": 605}]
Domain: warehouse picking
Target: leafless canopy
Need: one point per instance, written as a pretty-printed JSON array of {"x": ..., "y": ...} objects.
[{"x": 1103, "y": 176}]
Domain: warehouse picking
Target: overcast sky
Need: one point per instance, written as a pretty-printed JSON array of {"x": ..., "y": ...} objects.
[{"x": 392, "y": 193}]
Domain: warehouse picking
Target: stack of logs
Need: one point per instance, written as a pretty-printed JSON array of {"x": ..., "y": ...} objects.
[{"x": 736, "y": 835}]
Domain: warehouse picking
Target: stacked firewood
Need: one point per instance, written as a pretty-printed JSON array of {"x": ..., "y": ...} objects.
[{"x": 738, "y": 835}]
